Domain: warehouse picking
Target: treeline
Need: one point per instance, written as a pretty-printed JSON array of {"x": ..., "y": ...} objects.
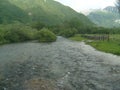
[
  {"x": 18, "y": 32},
  {"x": 72, "y": 27}
]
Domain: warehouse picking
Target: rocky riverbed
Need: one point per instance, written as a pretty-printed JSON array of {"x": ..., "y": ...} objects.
[{"x": 62, "y": 65}]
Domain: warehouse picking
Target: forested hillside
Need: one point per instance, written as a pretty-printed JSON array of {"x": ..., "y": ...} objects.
[
  {"x": 10, "y": 12},
  {"x": 45, "y": 11}
]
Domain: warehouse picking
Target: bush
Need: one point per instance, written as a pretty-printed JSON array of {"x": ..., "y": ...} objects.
[
  {"x": 16, "y": 33},
  {"x": 45, "y": 35}
]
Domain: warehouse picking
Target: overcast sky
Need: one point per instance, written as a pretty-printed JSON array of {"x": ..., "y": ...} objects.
[{"x": 84, "y": 5}]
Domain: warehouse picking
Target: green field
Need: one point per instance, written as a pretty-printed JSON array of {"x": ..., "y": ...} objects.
[{"x": 111, "y": 46}]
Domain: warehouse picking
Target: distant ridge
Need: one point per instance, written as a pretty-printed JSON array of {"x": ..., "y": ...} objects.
[{"x": 108, "y": 17}]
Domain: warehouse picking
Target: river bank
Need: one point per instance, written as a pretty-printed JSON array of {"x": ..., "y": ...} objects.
[{"x": 109, "y": 46}]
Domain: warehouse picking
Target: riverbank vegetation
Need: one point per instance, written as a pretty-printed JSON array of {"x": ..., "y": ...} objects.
[
  {"x": 18, "y": 32},
  {"x": 111, "y": 45},
  {"x": 45, "y": 35}
]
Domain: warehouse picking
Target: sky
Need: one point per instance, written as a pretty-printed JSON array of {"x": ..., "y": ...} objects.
[{"x": 84, "y": 5}]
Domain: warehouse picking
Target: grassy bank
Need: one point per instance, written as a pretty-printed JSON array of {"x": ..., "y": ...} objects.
[
  {"x": 111, "y": 46},
  {"x": 78, "y": 37}
]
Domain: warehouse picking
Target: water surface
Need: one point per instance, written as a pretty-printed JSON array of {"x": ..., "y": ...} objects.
[{"x": 66, "y": 64}]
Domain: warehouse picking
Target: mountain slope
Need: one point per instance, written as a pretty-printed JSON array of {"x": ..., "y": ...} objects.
[
  {"x": 108, "y": 17},
  {"x": 10, "y": 13},
  {"x": 112, "y": 9},
  {"x": 49, "y": 11}
]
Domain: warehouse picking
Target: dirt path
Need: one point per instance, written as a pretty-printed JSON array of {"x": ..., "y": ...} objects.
[{"x": 63, "y": 65}]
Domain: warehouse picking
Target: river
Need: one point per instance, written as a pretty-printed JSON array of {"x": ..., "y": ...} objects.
[{"x": 62, "y": 65}]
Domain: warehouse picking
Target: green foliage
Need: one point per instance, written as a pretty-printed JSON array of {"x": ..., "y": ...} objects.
[
  {"x": 96, "y": 30},
  {"x": 114, "y": 30},
  {"x": 12, "y": 36},
  {"x": 74, "y": 23},
  {"x": 38, "y": 25},
  {"x": 68, "y": 32},
  {"x": 16, "y": 33},
  {"x": 10, "y": 13},
  {"x": 50, "y": 12},
  {"x": 72, "y": 27},
  {"x": 2, "y": 39},
  {"x": 45, "y": 35},
  {"x": 77, "y": 37},
  {"x": 19, "y": 33},
  {"x": 109, "y": 47}
]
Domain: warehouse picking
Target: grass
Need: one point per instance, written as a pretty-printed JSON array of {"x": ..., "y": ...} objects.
[
  {"x": 77, "y": 37},
  {"x": 111, "y": 46},
  {"x": 106, "y": 46}
]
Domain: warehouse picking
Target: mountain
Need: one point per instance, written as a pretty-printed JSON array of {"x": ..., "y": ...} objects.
[
  {"x": 111, "y": 9},
  {"x": 46, "y": 11},
  {"x": 107, "y": 17},
  {"x": 10, "y": 12}
]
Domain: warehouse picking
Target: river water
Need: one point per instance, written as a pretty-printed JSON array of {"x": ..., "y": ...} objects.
[{"x": 62, "y": 65}]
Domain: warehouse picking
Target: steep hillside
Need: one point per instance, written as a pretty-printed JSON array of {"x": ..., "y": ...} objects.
[
  {"x": 108, "y": 17},
  {"x": 48, "y": 11},
  {"x": 10, "y": 13}
]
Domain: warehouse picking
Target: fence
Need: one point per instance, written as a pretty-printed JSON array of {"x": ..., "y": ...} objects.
[{"x": 97, "y": 37}]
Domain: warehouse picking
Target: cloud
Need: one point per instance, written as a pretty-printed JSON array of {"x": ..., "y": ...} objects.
[{"x": 80, "y": 5}]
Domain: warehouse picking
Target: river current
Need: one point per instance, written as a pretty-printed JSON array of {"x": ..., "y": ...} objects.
[{"x": 62, "y": 65}]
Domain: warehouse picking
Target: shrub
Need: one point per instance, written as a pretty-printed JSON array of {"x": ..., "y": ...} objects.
[
  {"x": 12, "y": 36},
  {"x": 45, "y": 35},
  {"x": 16, "y": 32}
]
